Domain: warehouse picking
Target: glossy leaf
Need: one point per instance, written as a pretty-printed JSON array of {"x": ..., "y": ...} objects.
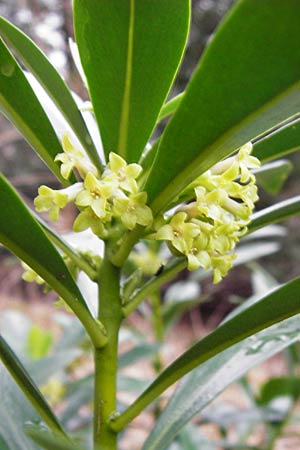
[
  {"x": 23, "y": 235},
  {"x": 14, "y": 412},
  {"x": 285, "y": 140},
  {"x": 130, "y": 52},
  {"x": 205, "y": 383},
  {"x": 275, "y": 213},
  {"x": 20, "y": 105},
  {"x": 34, "y": 59},
  {"x": 271, "y": 177},
  {"x": 268, "y": 311},
  {"x": 170, "y": 107},
  {"x": 28, "y": 386},
  {"x": 246, "y": 83}
]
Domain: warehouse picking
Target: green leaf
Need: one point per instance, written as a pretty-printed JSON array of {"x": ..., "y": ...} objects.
[
  {"x": 19, "y": 103},
  {"x": 268, "y": 311},
  {"x": 17, "y": 409},
  {"x": 275, "y": 213},
  {"x": 23, "y": 235},
  {"x": 279, "y": 387},
  {"x": 271, "y": 177},
  {"x": 130, "y": 52},
  {"x": 49, "y": 441},
  {"x": 34, "y": 59},
  {"x": 29, "y": 388},
  {"x": 246, "y": 83},
  {"x": 283, "y": 141},
  {"x": 170, "y": 107},
  {"x": 14, "y": 412},
  {"x": 205, "y": 383}
]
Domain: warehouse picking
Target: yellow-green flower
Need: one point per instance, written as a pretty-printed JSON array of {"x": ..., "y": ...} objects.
[
  {"x": 50, "y": 200},
  {"x": 53, "y": 200},
  {"x": 133, "y": 210},
  {"x": 221, "y": 265},
  {"x": 207, "y": 230},
  {"x": 124, "y": 174},
  {"x": 30, "y": 275},
  {"x": 73, "y": 158},
  {"x": 88, "y": 219},
  {"x": 179, "y": 232},
  {"x": 95, "y": 195}
]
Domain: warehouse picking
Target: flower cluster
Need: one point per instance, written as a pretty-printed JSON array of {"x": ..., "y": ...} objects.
[
  {"x": 101, "y": 198},
  {"x": 207, "y": 229}
]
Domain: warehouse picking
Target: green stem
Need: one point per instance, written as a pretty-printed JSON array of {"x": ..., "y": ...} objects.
[
  {"x": 158, "y": 328},
  {"x": 106, "y": 358},
  {"x": 124, "y": 248},
  {"x": 157, "y": 319}
]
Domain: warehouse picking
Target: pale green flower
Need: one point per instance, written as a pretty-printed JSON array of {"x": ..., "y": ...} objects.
[
  {"x": 96, "y": 194},
  {"x": 179, "y": 232},
  {"x": 207, "y": 230},
  {"x": 133, "y": 210},
  {"x": 30, "y": 275},
  {"x": 53, "y": 200},
  {"x": 198, "y": 258},
  {"x": 50, "y": 200},
  {"x": 246, "y": 162},
  {"x": 124, "y": 174},
  {"x": 88, "y": 219},
  {"x": 238, "y": 165},
  {"x": 221, "y": 265},
  {"x": 148, "y": 261},
  {"x": 73, "y": 158}
]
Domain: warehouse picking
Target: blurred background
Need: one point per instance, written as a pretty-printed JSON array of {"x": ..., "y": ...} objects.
[{"x": 49, "y": 24}]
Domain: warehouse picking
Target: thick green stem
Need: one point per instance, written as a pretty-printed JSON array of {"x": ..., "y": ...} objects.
[{"x": 106, "y": 358}]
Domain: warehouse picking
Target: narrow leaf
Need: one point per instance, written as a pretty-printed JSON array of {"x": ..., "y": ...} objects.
[
  {"x": 275, "y": 213},
  {"x": 34, "y": 59},
  {"x": 269, "y": 310},
  {"x": 130, "y": 52},
  {"x": 285, "y": 140},
  {"x": 231, "y": 99},
  {"x": 279, "y": 387},
  {"x": 19, "y": 103},
  {"x": 14, "y": 412},
  {"x": 205, "y": 383},
  {"x": 23, "y": 235},
  {"x": 25, "y": 382},
  {"x": 49, "y": 441},
  {"x": 271, "y": 177},
  {"x": 170, "y": 107}
]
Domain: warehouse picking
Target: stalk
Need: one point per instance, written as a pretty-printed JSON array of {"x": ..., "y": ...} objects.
[{"x": 106, "y": 358}]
